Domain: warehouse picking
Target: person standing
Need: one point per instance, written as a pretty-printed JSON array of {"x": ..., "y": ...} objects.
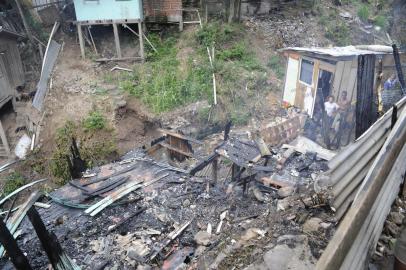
[
  {"x": 390, "y": 83},
  {"x": 331, "y": 108}
]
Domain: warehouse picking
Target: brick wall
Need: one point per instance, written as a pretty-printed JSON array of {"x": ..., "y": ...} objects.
[{"x": 162, "y": 10}]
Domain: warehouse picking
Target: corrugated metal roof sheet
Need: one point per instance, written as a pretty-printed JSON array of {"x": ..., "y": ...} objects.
[{"x": 344, "y": 51}]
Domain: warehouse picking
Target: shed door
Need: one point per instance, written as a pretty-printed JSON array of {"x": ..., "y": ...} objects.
[
  {"x": 289, "y": 92},
  {"x": 5, "y": 88}
]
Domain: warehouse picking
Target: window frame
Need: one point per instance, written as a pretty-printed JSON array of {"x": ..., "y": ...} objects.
[{"x": 300, "y": 71}]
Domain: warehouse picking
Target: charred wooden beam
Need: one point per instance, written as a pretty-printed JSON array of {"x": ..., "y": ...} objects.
[
  {"x": 50, "y": 243},
  {"x": 174, "y": 149},
  {"x": 99, "y": 179},
  {"x": 121, "y": 222},
  {"x": 394, "y": 115},
  {"x": 227, "y": 130},
  {"x": 108, "y": 187},
  {"x": 178, "y": 135},
  {"x": 202, "y": 164},
  {"x": 10, "y": 244},
  {"x": 366, "y": 109},
  {"x": 399, "y": 68}
]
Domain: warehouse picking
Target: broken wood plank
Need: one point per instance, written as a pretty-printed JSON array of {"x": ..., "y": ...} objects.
[
  {"x": 108, "y": 187},
  {"x": 120, "y": 68},
  {"x": 56, "y": 255},
  {"x": 10, "y": 244},
  {"x": 99, "y": 179},
  {"x": 203, "y": 163},
  {"x": 18, "y": 217},
  {"x": 121, "y": 222},
  {"x": 263, "y": 148},
  {"x": 171, "y": 236},
  {"x": 118, "y": 59},
  {"x": 176, "y": 150},
  {"x": 303, "y": 145},
  {"x": 118, "y": 194},
  {"x": 178, "y": 135},
  {"x": 270, "y": 181}
]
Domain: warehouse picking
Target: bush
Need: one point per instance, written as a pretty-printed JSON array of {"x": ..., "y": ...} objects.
[
  {"x": 363, "y": 12},
  {"x": 339, "y": 32},
  {"x": 381, "y": 21},
  {"x": 216, "y": 33},
  {"x": 94, "y": 121},
  {"x": 162, "y": 84},
  {"x": 13, "y": 182}
]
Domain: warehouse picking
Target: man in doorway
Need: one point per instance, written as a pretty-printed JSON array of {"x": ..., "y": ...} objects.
[
  {"x": 344, "y": 103},
  {"x": 390, "y": 83},
  {"x": 331, "y": 108},
  {"x": 344, "y": 106}
]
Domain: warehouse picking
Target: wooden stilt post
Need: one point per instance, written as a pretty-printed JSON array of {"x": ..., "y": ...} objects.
[
  {"x": 141, "y": 41},
  {"x": 81, "y": 42},
  {"x": 181, "y": 21},
  {"x": 117, "y": 40},
  {"x": 10, "y": 244}
]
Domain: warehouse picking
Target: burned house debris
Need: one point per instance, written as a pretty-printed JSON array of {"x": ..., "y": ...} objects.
[
  {"x": 308, "y": 184},
  {"x": 139, "y": 211}
]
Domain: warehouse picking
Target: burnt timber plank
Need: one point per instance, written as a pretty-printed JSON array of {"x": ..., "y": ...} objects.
[
  {"x": 176, "y": 150},
  {"x": 10, "y": 244},
  {"x": 50, "y": 243}
]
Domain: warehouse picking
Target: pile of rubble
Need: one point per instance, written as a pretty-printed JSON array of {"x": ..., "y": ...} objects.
[
  {"x": 280, "y": 31},
  {"x": 142, "y": 213}
]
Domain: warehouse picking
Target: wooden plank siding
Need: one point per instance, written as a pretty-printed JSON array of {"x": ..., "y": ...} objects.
[
  {"x": 344, "y": 84},
  {"x": 12, "y": 61},
  {"x": 337, "y": 78},
  {"x": 11, "y": 68}
]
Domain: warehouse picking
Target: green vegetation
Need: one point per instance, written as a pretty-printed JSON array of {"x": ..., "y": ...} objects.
[
  {"x": 180, "y": 72},
  {"x": 37, "y": 27},
  {"x": 336, "y": 29},
  {"x": 94, "y": 121},
  {"x": 96, "y": 143},
  {"x": 277, "y": 66},
  {"x": 12, "y": 182},
  {"x": 339, "y": 32},
  {"x": 163, "y": 83},
  {"x": 363, "y": 12},
  {"x": 381, "y": 21}
]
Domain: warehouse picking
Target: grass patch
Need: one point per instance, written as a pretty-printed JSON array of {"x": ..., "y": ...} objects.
[
  {"x": 12, "y": 182},
  {"x": 94, "y": 121},
  {"x": 163, "y": 83},
  {"x": 363, "y": 12},
  {"x": 336, "y": 29},
  {"x": 275, "y": 63},
  {"x": 381, "y": 21}
]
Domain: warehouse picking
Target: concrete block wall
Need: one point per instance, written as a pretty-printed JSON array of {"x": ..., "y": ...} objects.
[{"x": 283, "y": 132}]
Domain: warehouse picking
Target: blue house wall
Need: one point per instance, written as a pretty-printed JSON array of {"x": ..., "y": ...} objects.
[{"x": 93, "y": 10}]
